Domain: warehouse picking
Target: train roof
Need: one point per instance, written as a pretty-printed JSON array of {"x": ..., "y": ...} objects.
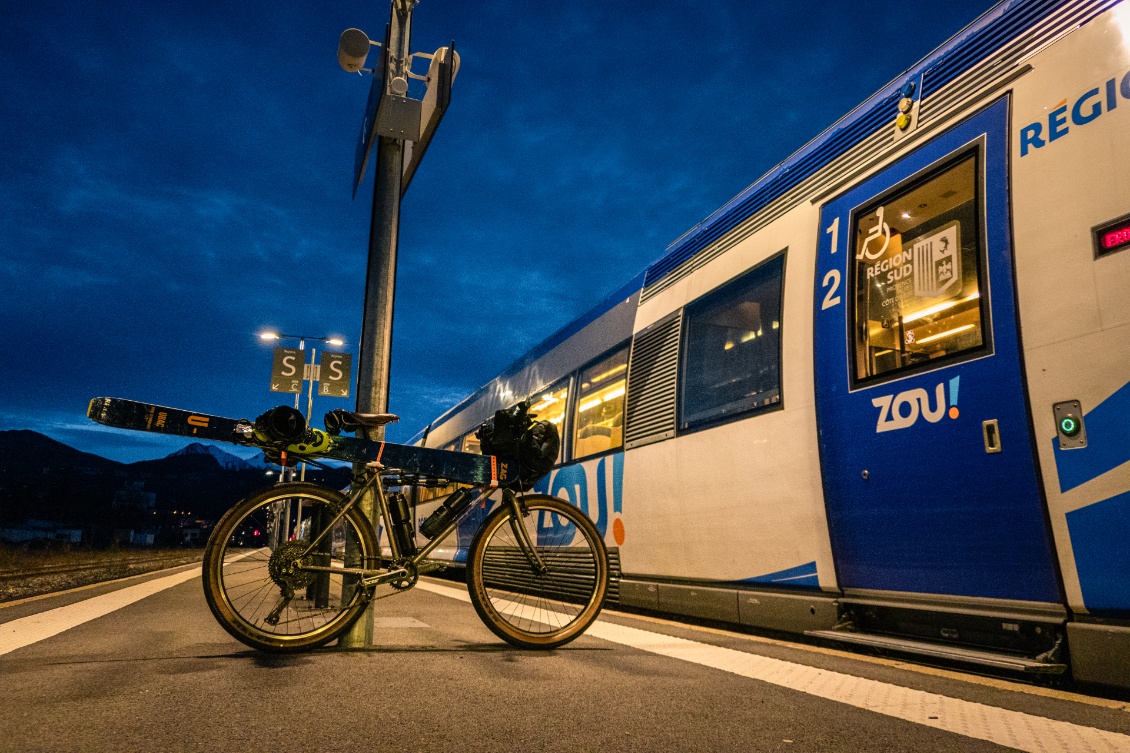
[{"x": 993, "y": 29}]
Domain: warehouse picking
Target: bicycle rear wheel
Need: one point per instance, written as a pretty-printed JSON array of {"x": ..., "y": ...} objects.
[
  {"x": 531, "y": 607},
  {"x": 253, "y": 577}
]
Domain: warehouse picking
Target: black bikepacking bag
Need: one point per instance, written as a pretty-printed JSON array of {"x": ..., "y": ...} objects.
[{"x": 514, "y": 434}]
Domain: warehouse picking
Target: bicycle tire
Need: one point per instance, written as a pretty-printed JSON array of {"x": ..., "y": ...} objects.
[
  {"x": 249, "y": 563},
  {"x": 536, "y": 610}
]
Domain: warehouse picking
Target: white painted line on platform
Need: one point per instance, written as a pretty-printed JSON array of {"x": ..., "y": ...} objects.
[
  {"x": 1014, "y": 729},
  {"x": 90, "y": 586},
  {"x": 904, "y": 664},
  {"x": 398, "y": 622},
  {"x": 448, "y": 591},
  {"x": 37, "y": 627}
]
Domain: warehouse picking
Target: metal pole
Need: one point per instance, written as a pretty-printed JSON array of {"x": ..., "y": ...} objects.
[
  {"x": 313, "y": 378},
  {"x": 302, "y": 347},
  {"x": 284, "y": 472},
  {"x": 309, "y": 399},
  {"x": 380, "y": 288},
  {"x": 297, "y": 397}
]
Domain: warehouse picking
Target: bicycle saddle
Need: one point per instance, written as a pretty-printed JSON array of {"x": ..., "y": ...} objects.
[{"x": 339, "y": 420}]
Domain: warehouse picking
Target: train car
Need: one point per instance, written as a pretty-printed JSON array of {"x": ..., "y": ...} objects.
[{"x": 882, "y": 396}]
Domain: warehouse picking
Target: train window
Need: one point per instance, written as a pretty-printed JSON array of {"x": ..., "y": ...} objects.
[
  {"x": 598, "y": 423},
  {"x": 471, "y": 444},
  {"x": 732, "y": 349},
  {"x": 549, "y": 405},
  {"x": 917, "y": 274}
]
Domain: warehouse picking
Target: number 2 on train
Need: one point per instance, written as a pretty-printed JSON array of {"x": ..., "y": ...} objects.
[{"x": 832, "y": 278}]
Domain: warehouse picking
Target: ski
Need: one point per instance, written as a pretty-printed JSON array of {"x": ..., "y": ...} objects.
[
  {"x": 130, "y": 414},
  {"x": 462, "y": 467}
]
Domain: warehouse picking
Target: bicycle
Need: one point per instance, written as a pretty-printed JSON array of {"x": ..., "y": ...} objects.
[{"x": 292, "y": 567}]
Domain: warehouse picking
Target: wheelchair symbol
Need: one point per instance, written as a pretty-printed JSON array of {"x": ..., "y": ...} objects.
[{"x": 881, "y": 229}]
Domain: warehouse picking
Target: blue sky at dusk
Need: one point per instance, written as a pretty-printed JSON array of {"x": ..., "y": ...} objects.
[{"x": 175, "y": 178}]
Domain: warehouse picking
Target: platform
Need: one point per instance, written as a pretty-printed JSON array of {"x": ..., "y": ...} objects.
[{"x": 141, "y": 665}]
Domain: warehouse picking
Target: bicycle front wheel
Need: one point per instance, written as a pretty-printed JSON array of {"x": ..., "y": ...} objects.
[
  {"x": 542, "y": 598},
  {"x": 255, "y": 577}
]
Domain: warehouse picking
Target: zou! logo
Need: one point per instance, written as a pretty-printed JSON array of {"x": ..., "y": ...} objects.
[{"x": 902, "y": 410}]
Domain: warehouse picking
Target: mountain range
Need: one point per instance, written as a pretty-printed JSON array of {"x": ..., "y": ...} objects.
[
  {"x": 225, "y": 459},
  {"x": 41, "y": 478}
]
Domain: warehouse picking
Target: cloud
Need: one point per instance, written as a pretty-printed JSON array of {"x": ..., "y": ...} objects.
[{"x": 182, "y": 178}]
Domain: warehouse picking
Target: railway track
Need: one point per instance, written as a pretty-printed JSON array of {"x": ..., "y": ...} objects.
[
  {"x": 89, "y": 566},
  {"x": 19, "y": 582}
]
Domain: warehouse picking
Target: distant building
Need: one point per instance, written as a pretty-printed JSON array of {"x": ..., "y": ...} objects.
[
  {"x": 142, "y": 538},
  {"x": 41, "y": 530},
  {"x": 134, "y": 497}
]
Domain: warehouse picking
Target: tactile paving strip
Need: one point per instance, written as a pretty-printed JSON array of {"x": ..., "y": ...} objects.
[{"x": 1014, "y": 729}]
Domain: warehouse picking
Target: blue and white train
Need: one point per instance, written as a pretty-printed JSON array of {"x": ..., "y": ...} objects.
[{"x": 883, "y": 395}]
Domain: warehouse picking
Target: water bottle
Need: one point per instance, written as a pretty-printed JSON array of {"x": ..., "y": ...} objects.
[
  {"x": 450, "y": 510},
  {"x": 401, "y": 524}
]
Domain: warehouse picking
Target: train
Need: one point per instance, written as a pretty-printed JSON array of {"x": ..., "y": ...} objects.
[{"x": 882, "y": 396}]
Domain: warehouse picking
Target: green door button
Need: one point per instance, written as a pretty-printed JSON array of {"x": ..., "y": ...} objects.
[{"x": 1069, "y": 426}]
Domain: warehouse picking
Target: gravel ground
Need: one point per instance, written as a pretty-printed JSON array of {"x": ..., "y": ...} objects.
[{"x": 24, "y": 574}]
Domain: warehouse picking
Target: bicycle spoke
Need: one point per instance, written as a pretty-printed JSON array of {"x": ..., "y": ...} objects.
[
  {"x": 247, "y": 585},
  {"x": 538, "y": 581}
]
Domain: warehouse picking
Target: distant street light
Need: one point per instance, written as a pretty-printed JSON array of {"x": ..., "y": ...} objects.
[
  {"x": 309, "y": 369},
  {"x": 335, "y": 341}
]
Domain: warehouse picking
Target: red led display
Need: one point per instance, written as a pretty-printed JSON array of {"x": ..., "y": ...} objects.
[{"x": 1112, "y": 237}]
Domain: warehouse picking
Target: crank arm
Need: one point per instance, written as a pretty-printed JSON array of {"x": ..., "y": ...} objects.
[{"x": 377, "y": 580}]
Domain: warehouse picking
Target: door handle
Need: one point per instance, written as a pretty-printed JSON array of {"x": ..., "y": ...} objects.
[{"x": 991, "y": 433}]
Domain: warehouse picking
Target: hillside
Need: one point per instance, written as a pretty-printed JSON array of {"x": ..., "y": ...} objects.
[{"x": 43, "y": 479}]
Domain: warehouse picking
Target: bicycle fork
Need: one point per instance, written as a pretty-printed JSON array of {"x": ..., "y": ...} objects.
[{"x": 517, "y": 524}]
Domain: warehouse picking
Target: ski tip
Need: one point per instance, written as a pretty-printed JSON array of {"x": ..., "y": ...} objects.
[{"x": 95, "y": 410}]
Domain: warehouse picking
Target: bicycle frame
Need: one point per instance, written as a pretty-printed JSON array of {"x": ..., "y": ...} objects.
[{"x": 371, "y": 578}]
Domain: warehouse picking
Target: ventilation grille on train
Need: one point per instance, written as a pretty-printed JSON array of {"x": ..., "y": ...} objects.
[
  {"x": 1044, "y": 22},
  {"x": 951, "y": 83},
  {"x": 1041, "y": 20},
  {"x": 652, "y": 373}
]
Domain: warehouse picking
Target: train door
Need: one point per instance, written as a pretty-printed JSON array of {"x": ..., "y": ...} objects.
[{"x": 930, "y": 478}]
